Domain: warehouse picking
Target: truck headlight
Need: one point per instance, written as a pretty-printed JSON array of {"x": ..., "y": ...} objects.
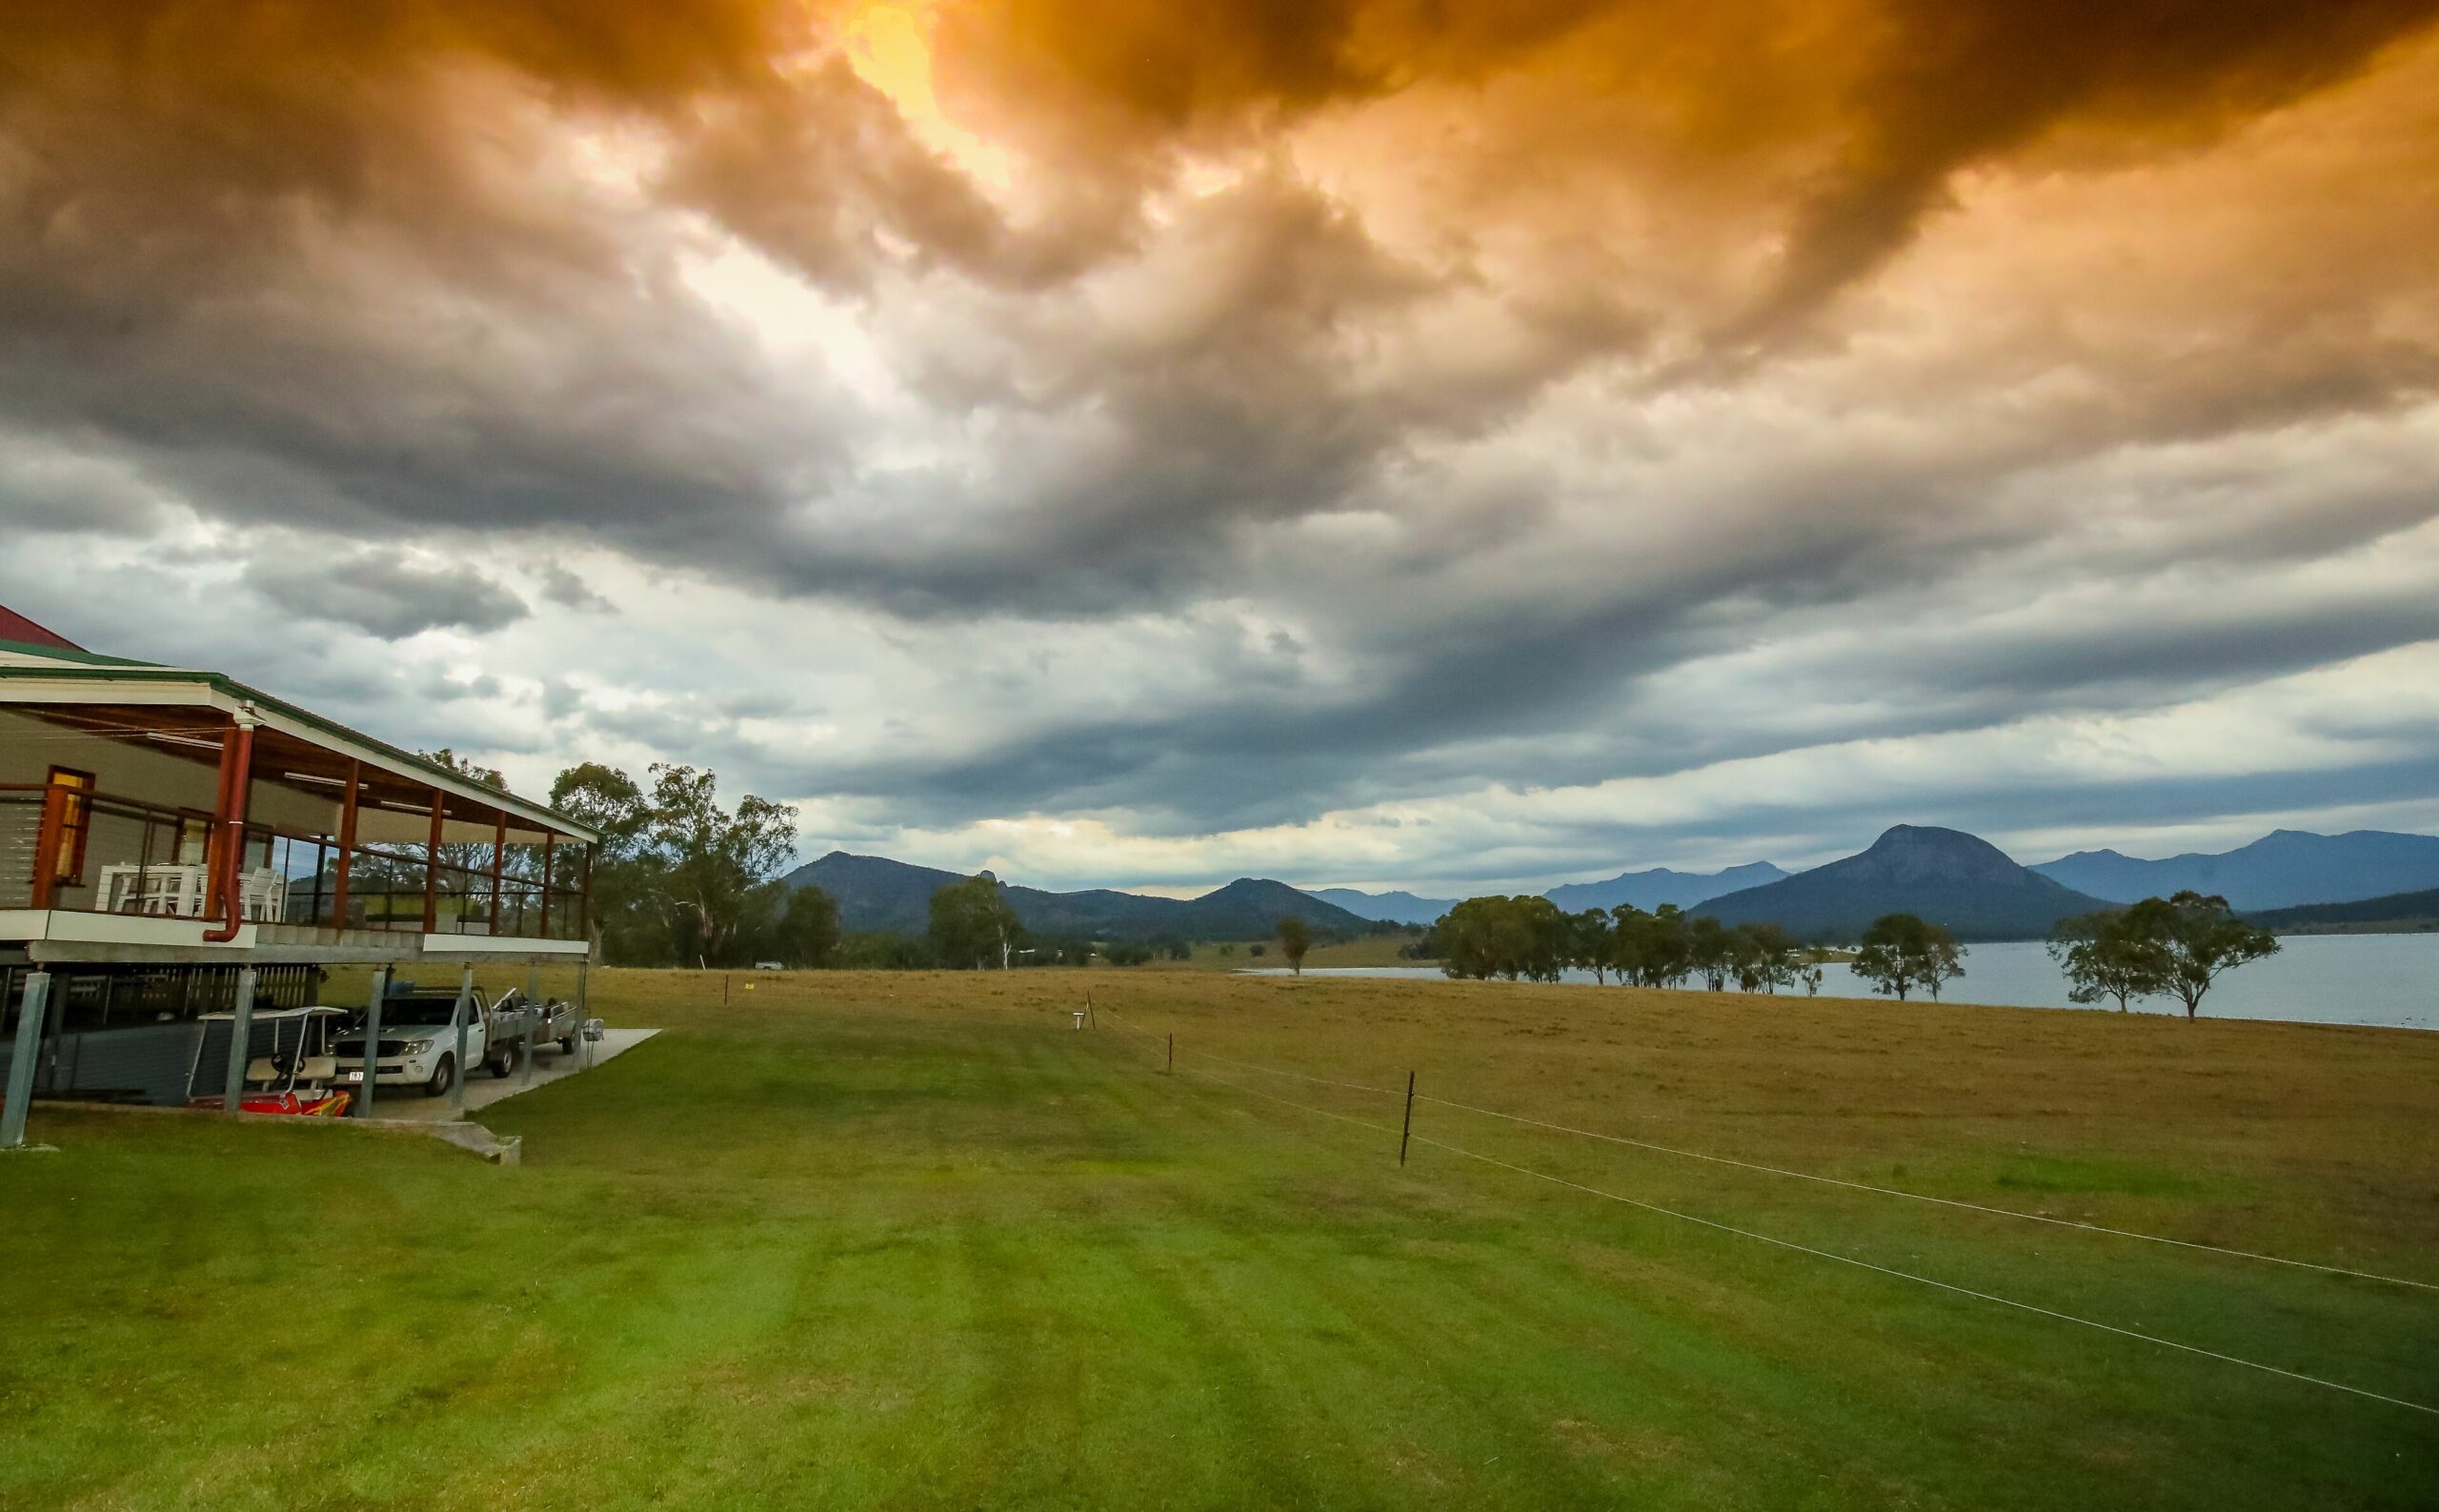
[{"x": 419, "y": 1047}]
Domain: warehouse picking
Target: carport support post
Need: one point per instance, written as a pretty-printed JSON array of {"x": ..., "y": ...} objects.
[
  {"x": 583, "y": 1011},
  {"x": 241, "y": 1038},
  {"x": 21, "y": 1065},
  {"x": 373, "y": 1039},
  {"x": 465, "y": 1013}
]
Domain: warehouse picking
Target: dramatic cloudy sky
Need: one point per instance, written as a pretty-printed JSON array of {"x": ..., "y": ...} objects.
[{"x": 1424, "y": 442}]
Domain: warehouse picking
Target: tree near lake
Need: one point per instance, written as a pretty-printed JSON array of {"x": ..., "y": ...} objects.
[
  {"x": 2200, "y": 936},
  {"x": 1709, "y": 950},
  {"x": 2107, "y": 955},
  {"x": 1295, "y": 938},
  {"x": 1527, "y": 936},
  {"x": 1764, "y": 957},
  {"x": 1901, "y": 955},
  {"x": 1651, "y": 950},
  {"x": 1592, "y": 940},
  {"x": 972, "y": 921}
]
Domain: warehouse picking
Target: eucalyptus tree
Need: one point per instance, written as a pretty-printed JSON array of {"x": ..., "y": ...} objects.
[
  {"x": 972, "y": 922},
  {"x": 1592, "y": 941},
  {"x": 1900, "y": 954},
  {"x": 677, "y": 876},
  {"x": 2106, "y": 955},
  {"x": 2200, "y": 937},
  {"x": 1295, "y": 938}
]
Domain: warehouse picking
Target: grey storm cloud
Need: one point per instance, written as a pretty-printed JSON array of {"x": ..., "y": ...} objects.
[
  {"x": 385, "y": 593},
  {"x": 569, "y": 591}
]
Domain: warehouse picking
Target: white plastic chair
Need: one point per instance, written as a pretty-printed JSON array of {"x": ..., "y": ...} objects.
[{"x": 262, "y": 896}]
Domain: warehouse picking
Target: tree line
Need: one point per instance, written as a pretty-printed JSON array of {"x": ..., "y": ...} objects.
[
  {"x": 2160, "y": 947},
  {"x": 679, "y": 879},
  {"x": 1530, "y": 939}
]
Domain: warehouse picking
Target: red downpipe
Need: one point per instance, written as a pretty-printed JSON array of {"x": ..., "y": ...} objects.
[
  {"x": 211, "y": 840},
  {"x": 233, "y": 845}
]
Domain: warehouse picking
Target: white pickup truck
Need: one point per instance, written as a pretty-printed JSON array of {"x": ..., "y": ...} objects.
[{"x": 418, "y": 1044}]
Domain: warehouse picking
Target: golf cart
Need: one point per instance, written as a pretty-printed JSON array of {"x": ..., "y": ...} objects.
[{"x": 296, "y": 1078}]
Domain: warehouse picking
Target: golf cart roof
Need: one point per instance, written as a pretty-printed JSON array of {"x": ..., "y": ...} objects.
[{"x": 287, "y": 1013}]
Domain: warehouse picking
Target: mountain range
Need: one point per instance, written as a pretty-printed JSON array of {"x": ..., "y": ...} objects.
[
  {"x": 1390, "y": 908},
  {"x": 1645, "y": 890},
  {"x": 2283, "y": 869},
  {"x": 875, "y": 894},
  {"x": 1946, "y": 877},
  {"x": 1648, "y": 890}
]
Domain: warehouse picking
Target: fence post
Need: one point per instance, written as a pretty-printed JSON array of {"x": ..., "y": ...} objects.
[
  {"x": 373, "y": 1039},
  {"x": 241, "y": 1036},
  {"x": 21, "y": 1065},
  {"x": 1407, "y": 1133},
  {"x": 465, "y": 1016},
  {"x": 1172, "y": 1064}
]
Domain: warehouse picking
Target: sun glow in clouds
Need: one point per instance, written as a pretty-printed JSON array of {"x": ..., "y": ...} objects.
[{"x": 887, "y": 45}]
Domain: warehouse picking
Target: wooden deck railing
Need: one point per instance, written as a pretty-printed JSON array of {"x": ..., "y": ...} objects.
[{"x": 145, "y": 859}]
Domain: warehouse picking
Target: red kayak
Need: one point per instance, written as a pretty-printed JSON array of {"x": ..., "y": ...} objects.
[{"x": 312, "y": 1102}]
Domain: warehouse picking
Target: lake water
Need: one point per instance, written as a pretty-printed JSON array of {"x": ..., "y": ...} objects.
[{"x": 2385, "y": 980}]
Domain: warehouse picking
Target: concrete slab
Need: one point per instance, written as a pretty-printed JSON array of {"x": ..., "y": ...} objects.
[{"x": 483, "y": 1089}]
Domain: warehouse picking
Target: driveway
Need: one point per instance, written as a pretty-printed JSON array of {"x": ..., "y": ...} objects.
[{"x": 482, "y": 1089}]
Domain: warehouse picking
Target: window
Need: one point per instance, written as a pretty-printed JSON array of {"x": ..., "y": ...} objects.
[{"x": 75, "y": 822}]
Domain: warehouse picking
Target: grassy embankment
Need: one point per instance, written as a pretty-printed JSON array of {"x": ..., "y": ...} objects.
[{"x": 910, "y": 1241}]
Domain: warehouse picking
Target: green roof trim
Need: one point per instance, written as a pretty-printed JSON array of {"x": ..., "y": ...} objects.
[
  {"x": 112, "y": 669},
  {"x": 89, "y": 658}
]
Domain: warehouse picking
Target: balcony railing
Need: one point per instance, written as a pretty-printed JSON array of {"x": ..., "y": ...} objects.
[{"x": 127, "y": 856}]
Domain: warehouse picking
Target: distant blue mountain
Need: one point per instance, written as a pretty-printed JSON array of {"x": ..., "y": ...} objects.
[
  {"x": 1648, "y": 890},
  {"x": 2284, "y": 869},
  {"x": 1396, "y": 908},
  {"x": 1948, "y": 877}
]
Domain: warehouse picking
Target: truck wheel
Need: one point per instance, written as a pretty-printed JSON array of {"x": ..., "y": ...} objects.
[
  {"x": 501, "y": 1066},
  {"x": 567, "y": 1044},
  {"x": 444, "y": 1076}
]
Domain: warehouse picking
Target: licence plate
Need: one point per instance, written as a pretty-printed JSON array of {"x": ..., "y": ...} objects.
[{"x": 356, "y": 1076}]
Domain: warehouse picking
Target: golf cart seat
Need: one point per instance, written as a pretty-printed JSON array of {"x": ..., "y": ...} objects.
[
  {"x": 262, "y": 1069},
  {"x": 318, "y": 1068}
]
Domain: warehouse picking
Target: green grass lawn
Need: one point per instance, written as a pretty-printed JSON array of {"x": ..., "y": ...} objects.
[{"x": 860, "y": 1240}]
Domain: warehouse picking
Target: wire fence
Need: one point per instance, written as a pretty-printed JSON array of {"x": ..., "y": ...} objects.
[
  {"x": 1817, "y": 1178},
  {"x": 1171, "y": 1051}
]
